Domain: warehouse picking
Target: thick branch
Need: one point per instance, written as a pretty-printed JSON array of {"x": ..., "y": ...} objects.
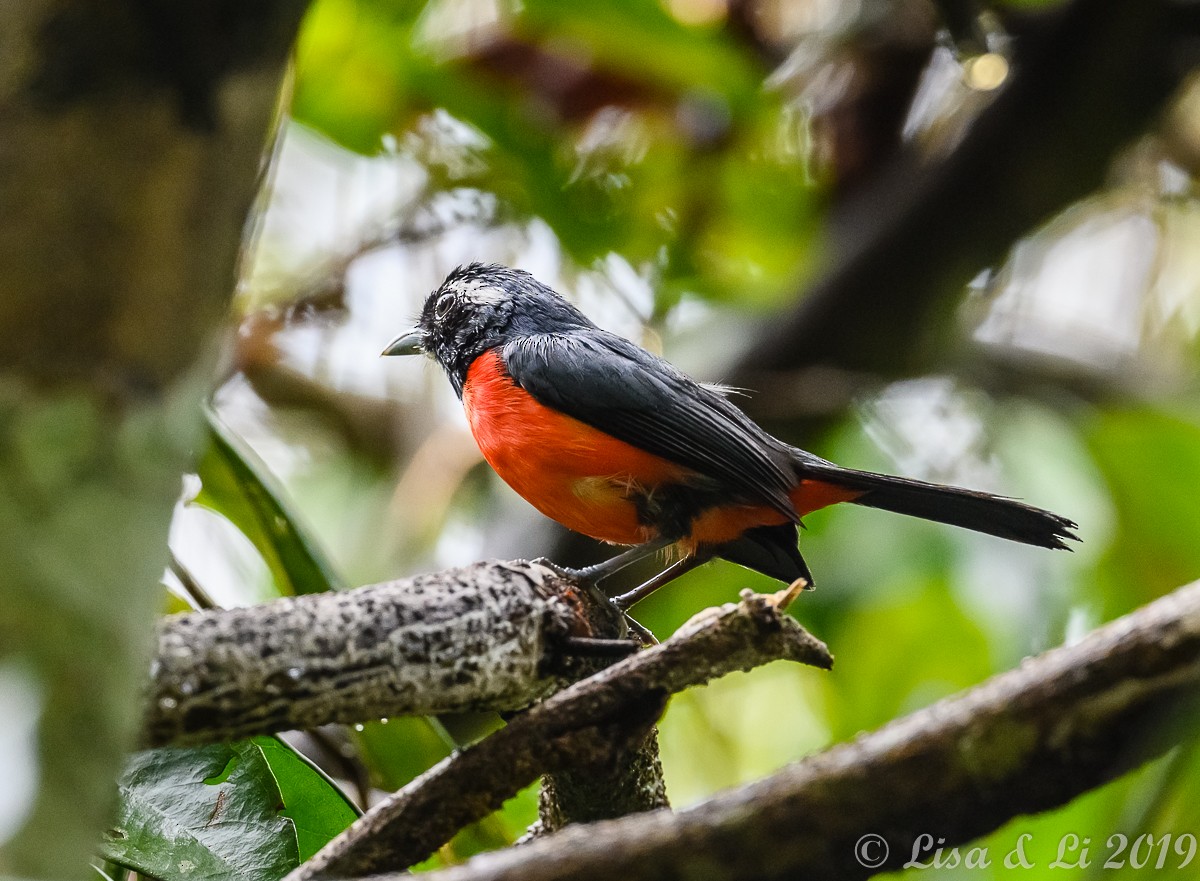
[
  {"x": 1027, "y": 740},
  {"x": 588, "y": 723},
  {"x": 486, "y": 637}
]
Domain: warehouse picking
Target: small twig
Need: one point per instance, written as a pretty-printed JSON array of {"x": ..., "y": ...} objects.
[
  {"x": 200, "y": 597},
  {"x": 590, "y": 722},
  {"x": 1025, "y": 741}
]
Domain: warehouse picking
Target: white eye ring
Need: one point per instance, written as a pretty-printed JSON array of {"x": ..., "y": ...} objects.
[{"x": 442, "y": 307}]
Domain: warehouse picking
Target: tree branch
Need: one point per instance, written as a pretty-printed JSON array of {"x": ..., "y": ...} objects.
[
  {"x": 1025, "y": 741},
  {"x": 628, "y": 782},
  {"x": 589, "y": 723},
  {"x": 631, "y": 784},
  {"x": 492, "y": 636}
]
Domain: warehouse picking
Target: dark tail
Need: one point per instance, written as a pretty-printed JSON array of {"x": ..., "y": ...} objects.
[{"x": 969, "y": 509}]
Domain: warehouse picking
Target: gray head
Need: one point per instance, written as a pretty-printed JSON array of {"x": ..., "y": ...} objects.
[{"x": 479, "y": 307}]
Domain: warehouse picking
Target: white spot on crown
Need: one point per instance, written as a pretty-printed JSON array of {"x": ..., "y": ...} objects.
[{"x": 481, "y": 293}]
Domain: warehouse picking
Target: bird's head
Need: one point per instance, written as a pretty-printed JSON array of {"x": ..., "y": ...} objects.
[{"x": 479, "y": 307}]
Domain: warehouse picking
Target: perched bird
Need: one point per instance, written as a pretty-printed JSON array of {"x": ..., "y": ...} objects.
[{"x": 614, "y": 442}]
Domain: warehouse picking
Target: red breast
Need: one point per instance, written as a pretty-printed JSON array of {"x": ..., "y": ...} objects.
[{"x": 572, "y": 473}]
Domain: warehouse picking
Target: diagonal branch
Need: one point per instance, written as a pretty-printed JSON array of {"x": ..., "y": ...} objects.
[
  {"x": 1025, "y": 741},
  {"x": 591, "y": 722}
]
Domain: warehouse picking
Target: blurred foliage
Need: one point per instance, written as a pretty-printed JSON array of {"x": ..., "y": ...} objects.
[
  {"x": 1155, "y": 548},
  {"x": 656, "y": 162},
  {"x": 693, "y": 166}
]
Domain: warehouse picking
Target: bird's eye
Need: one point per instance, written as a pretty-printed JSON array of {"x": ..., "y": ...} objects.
[{"x": 442, "y": 307}]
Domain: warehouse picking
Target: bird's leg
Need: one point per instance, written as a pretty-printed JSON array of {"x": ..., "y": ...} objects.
[
  {"x": 625, "y": 601},
  {"x": 598, "y": 572}
]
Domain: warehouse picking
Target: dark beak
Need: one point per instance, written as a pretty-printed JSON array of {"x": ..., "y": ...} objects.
[{"x": 411, "y": 343}]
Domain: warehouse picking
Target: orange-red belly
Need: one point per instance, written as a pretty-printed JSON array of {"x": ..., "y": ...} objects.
[
  {"x": 588, "y": 480},
  {"x": 572, "y": 473}
]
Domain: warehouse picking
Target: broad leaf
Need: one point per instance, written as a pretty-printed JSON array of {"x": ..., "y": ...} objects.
[
  {"x": 199, "y": 813},
  {"x": 311, "y": 800}
]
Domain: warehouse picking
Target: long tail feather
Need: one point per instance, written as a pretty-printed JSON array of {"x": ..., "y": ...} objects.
[{"x": 980, "y": 511}]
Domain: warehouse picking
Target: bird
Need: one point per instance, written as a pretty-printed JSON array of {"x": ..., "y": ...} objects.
[{"x": 614, "y": 442}]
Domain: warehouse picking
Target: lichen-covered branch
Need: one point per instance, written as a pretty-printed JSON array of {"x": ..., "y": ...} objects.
[
  {"x": 618, "y": 784},
  {"x": 486, "y": 637},
  {"x": 630, "y": 783},
  {"x": 1025, "y": 741},
  {"x": 590, "y": 722}
]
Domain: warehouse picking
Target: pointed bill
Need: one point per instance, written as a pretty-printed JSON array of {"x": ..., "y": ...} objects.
[{"x": 411, "y": 343}]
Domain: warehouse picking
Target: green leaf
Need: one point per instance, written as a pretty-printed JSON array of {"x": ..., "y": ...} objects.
[
  {"x": 198, "y": 813},
  {"x": 238, "y": 490},
  {"x": 317, "y": 807}
]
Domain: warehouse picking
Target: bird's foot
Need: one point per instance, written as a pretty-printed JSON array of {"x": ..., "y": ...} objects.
[
  {"x": 587, "y": 646},
  {"x": 596, "y": 573},
  {"x": 587, "y": 574},
  {"x": 561, "y": 571}
]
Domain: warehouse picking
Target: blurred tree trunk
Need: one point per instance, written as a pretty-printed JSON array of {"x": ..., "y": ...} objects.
[{"x": 133, "y": 141}]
